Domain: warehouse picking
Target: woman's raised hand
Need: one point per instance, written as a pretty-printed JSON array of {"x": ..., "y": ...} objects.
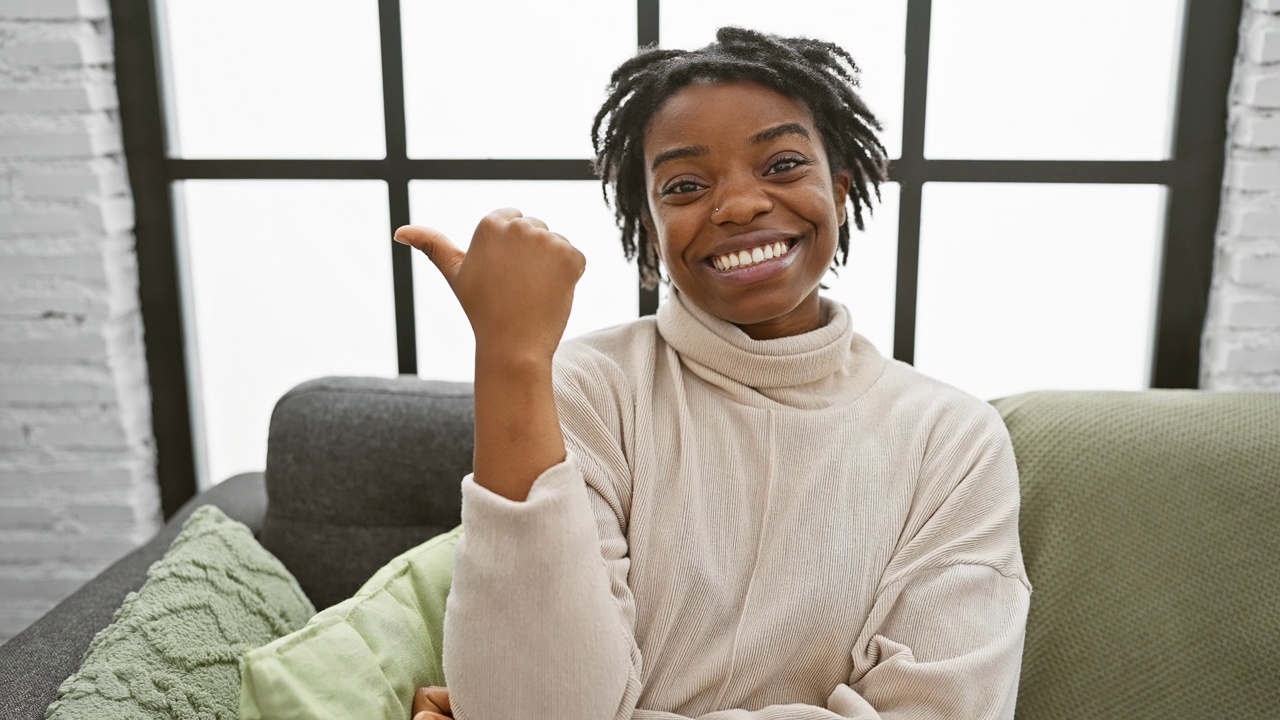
[{"x": 515, "y": 282}]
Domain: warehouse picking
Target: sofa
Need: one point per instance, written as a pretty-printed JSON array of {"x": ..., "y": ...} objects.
[{"x": 1150, "y": 529}]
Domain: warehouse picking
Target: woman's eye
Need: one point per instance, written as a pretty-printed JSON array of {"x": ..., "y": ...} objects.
[
  {"x": 681, "y": 187},
  {"x": 786, "y": 164}
]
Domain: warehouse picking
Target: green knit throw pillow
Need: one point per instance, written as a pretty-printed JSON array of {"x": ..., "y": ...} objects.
[{"x": 173, "y": 648}]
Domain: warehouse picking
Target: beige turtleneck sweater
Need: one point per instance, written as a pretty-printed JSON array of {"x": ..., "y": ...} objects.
[{"x": 793, "y": 528}]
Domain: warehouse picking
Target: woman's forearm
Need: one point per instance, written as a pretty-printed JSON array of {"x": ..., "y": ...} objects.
[
  {"x": 515, "y": 283},
  {"x": 518, "y": 433}
]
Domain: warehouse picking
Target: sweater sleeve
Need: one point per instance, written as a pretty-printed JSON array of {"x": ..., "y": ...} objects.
[
  {"x": 944, "y": 637},
  {"x": 947, "y": 645},
  {"x": 540, "y": 617}
]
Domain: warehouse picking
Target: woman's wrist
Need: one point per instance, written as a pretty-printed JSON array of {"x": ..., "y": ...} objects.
[
  {"x": 502, "y": 359},
  {"x": 518, "y": 433}
]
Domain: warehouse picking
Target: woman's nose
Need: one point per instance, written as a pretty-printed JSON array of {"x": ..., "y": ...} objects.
[{"x": 740, "y": 202}]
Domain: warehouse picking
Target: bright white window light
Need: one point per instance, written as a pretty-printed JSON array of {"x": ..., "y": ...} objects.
[
  {"x": 1081, "y": 80},
  {"x": 287, "y": 281},
  {"x": 1035, "y": 287},
  {"x": 502, "y": 79},
  {"x": 278, "y": 79}
]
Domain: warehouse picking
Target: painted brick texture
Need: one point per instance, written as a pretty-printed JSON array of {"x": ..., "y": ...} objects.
[
  {"x": 1241, "y": 343},
  {"x": 77, "y": 464}
]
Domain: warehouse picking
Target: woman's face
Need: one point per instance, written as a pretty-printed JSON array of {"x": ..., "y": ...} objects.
[{"x": 734, "y": 168}]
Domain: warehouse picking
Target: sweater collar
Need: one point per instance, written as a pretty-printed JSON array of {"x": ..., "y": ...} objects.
[{"x": 798, "y": 360}]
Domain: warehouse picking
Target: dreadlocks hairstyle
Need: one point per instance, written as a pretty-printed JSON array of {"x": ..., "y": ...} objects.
[{"x": 820, "y": 74}]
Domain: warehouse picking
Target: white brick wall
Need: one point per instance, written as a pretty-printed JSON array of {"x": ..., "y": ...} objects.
[
  {"x": 1241, "y": 344},
  {"x": 77, "y": 466}
]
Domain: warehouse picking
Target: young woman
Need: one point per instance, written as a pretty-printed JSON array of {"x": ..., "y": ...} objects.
[{"x": 738, "y": 508}]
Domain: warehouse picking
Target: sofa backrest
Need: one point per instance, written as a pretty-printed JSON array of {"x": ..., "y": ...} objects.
[
  {"x": 1150, "y": 529},
  {"x": 360, "y": 470}
]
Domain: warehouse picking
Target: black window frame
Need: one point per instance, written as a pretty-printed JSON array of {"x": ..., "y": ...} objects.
[{"x": 1193, "y": 176}]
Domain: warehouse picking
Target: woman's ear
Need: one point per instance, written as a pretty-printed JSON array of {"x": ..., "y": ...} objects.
[{"x": 840, "y": 183}]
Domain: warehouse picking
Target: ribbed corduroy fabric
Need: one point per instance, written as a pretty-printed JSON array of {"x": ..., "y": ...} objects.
[{"x": 795, "y": 528}]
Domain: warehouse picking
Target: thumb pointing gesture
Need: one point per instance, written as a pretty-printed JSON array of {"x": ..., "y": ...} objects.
[
  {"x": 439, "y": 249},
  {"x": 515, "y": 281}
]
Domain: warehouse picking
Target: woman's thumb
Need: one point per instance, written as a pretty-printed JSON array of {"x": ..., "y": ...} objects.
[{"x": 439, "y": 249}]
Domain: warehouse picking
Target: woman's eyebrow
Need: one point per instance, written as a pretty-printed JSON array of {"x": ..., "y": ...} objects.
[
  {"x": 778, "y": 131},
  {"x": 677, "y": 153}
]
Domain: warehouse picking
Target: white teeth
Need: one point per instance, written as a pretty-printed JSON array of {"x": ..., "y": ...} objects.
[{"x": 743, "y": 258}]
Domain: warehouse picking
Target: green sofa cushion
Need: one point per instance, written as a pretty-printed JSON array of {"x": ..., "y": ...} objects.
[
  {"x": 1150, "y": 529},
  {"x": 173, "y": 648},
  {"x": 364, "y": 657}
]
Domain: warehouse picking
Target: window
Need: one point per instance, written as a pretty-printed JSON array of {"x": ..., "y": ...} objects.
[{"x": 1047, "y": 223}]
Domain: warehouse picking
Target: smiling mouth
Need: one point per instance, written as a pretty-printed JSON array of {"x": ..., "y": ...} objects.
[{"x": 752, "y": 256}]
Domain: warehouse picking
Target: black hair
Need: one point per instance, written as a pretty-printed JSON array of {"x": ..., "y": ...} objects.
[{"x": 820, "y": 74}]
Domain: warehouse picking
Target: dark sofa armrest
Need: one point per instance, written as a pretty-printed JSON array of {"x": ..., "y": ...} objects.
[{"x": 36, "y": 661}]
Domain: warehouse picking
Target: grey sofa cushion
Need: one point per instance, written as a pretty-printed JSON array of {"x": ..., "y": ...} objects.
[{"x": 360, "y": 470}]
